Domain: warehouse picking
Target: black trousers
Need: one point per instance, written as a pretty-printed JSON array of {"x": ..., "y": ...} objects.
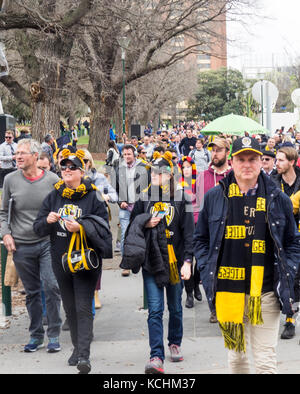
[
  {"x": 4, "y": 172},
  {"x": 77, "y": 293},
  {"x": 194, "y": 280}
]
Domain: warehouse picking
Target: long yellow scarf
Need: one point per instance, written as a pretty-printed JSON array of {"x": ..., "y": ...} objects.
[{"x": 243, "y": 256}]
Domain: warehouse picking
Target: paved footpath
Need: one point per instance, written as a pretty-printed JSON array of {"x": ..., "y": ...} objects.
[{"x": 120, "y": 343}]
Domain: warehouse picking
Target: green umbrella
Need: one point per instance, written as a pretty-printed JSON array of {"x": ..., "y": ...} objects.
[{"x": 234, "y": 125}]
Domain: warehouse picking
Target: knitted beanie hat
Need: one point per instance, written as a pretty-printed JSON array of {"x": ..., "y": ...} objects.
[
  {"x": 194, "y": 172},
  {"x": 163, "y": 162}
]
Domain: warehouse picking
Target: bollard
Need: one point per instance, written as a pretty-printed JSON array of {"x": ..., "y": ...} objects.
[{"x": 6, "y": 290}]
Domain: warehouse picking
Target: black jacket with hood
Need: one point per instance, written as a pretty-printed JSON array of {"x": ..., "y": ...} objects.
[{"x": 147, "y": 248}]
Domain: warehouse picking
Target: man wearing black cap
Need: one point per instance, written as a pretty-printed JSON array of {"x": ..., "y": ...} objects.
[
  {"x": 268, "y": 163},
  {"x": 247, "y": 245}
]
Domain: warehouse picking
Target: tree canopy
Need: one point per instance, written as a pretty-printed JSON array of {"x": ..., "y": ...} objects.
[
  {"x": 220, "y": 92},
  {"x": 58, "y": 51}
]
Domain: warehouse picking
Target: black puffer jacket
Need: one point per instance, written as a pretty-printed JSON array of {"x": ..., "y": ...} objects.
[
  {"x": 98, "y": 232},
  {"x": 147, "y": 248},
  {"x": 181, "y": 224},
  {"x": 134, "y": 249}
]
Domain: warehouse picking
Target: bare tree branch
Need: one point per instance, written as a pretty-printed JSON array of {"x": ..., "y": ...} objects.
[{"x": 16, "y": 89}]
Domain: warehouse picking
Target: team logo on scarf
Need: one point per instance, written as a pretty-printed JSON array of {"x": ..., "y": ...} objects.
[
  {"x": 167, "y": 211},
  {"x": 166, "y": 208}
]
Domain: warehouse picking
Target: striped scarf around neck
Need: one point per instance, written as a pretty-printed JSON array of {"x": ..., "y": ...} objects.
[
  {"x": 189, "y": 188},
  {"x": 241, "y": 263},
  {"x": 75, "y": 194}
]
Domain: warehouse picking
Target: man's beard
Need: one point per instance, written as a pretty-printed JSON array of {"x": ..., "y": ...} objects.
[{"x": 219, "y": 162}]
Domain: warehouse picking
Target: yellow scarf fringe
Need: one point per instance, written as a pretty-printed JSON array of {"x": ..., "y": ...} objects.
[
  {"x": 234, "y": 337},
  {"x": 254, "y": 310},
  {"x": 174, "y": 276}
]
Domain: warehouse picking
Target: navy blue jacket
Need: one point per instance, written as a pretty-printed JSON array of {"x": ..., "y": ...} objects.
[{"x": 210, "y": 230}]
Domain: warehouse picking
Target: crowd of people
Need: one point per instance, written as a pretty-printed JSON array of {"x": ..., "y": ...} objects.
[{"x": 221, "y": 211}]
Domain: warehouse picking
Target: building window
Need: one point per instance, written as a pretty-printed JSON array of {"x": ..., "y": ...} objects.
[{"x": 203, "y": 56}]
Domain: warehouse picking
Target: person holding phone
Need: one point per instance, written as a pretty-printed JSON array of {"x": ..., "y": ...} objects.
[
  {"x": 172, "y": 217},
  {"x": 73, "y": 197}
]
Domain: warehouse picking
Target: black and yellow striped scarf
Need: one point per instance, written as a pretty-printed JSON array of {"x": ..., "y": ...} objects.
[
  {"x": 170, "y": 212},
  {"x": 241, "y": 269},
  {"x": 75, "y": 194}
]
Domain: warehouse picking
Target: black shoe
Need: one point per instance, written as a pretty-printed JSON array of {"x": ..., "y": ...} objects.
[
  {"x": 73, "y": 360},
  {"x": 289, "y": 331},
  {"x": 189, "y": 300},
  {"x": 197, "y": 293},
  {"x": 84, "y": 366}
]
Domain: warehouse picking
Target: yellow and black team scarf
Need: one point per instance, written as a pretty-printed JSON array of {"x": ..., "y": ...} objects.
[
  {"x": 169, "y": 212},
  {"x": 75, "y": 194},
  {"x": 241, "y": 269}
]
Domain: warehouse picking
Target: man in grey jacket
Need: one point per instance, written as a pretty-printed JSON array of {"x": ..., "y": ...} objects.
[
  {"x": 23, "y": 193},
  {"x": 7, "y": 150}
]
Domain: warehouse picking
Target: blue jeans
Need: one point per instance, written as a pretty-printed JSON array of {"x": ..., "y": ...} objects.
[
  {"x": 33, "y": 264},
  {"x": 124, "y": 217},
  {"x": 155, "y": 297}
]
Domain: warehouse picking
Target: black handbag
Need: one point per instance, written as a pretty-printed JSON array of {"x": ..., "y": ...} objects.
[{"x": 82, "y": 258}]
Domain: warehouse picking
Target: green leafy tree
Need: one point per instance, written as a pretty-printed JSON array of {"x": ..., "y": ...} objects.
[{"x": 220, "y": 92}]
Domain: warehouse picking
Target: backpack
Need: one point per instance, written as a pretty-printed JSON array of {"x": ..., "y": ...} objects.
[
  {"x": 114, "y": 158},
  {"x": 205, "y": 153}
]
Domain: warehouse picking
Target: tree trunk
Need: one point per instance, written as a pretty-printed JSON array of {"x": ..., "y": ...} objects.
[
  {"x": 101, "y": 117},
  {"x": 46, "y": 95},
  {"x": 45, "y": 118}
]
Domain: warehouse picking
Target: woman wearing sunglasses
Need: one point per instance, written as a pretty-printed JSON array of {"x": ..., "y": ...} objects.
[
  {"x": 168, "y": 229},
  {"x": 73, "y": 197}
]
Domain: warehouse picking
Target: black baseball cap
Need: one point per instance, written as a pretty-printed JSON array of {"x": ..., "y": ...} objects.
[
  {"x": 245, "y": 144},
  {"x": 268, "y": 153},
  {"x": 73, "y": 159}
]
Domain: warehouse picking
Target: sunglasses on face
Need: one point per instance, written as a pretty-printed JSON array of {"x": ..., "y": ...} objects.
[
  {"x": 70, "y": 167},
  {"x": 266, "y": 159},
  {"x": 7, "y": 137}
]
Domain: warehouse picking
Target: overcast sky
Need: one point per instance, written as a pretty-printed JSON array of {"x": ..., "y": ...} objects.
[{"x": 277, "y": 35}]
